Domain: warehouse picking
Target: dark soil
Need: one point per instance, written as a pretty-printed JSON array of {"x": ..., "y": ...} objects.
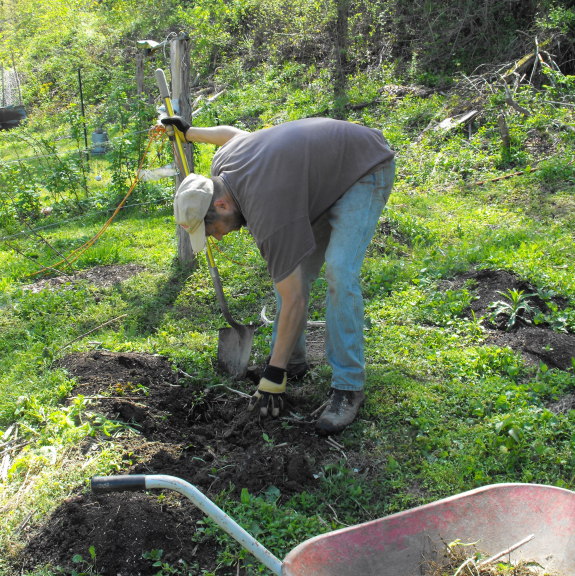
[
  {"x": 206, "y": 436},
  {"x": 102, "y": 276}
]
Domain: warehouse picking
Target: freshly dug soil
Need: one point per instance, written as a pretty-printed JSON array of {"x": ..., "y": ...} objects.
[
  {"x": 536, "y": 343},
  {"x": 204, "y": 436}
]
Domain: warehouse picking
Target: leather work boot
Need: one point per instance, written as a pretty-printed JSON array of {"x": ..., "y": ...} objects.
[{"x": 340, "y": 412}]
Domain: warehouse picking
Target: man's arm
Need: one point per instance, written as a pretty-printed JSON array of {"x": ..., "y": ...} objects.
[
  {"x": 292, "y": 317},
  {"x": 217, "y": 135}
]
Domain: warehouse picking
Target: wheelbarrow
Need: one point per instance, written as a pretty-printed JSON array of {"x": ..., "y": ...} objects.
[{"x": 495, "y": 517}]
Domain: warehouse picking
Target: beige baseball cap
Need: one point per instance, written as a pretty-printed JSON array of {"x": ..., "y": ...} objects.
[{"x": 191, "y": 202}]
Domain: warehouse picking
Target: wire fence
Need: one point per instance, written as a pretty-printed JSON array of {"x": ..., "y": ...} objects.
[
  {"x": 72, "y": 152},
  {"x": 37, "y": 229},
  {"x": 154, "y": 136}
]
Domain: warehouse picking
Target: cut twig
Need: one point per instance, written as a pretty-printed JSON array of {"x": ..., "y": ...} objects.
[
  {"x": 481, "y": 182},
  {"x": 8, "y": 433},
  {"x": 468, "y": 562},
  {"x": 318, "y": 410},
  {"x": 519, "y": 173},
  {"x": 296, "y": 421},
  {"x": 334, "y": 443},
  {"x": 209, "y": 101},
  {"x": 107, "y": 397},
  {"x": 506, "y": 551},
  {"x": 454, "y": 121},
  {"x": 238, "y": 392},
  {"x": 5, "y": 466}
]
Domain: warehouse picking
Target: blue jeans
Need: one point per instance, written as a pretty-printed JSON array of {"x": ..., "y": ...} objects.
[{"x": 342, "y": 236}]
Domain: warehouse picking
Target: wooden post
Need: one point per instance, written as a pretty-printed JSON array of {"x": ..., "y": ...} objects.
[{"x": 180, "y": 75}]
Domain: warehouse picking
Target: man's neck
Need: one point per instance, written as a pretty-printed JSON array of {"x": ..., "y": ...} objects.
[{"x": 222, "y": 191}]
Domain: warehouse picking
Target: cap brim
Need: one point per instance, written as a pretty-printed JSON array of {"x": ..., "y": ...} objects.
[{"x": 198, "y": 238}]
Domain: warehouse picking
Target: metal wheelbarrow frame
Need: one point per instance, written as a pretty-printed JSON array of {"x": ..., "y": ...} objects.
[{"x": 494, "y": 517}]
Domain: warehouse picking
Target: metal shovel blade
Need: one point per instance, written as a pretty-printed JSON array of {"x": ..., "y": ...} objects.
[
  {"x": 235, "y": 343},
  {"x": 234, "y": 349}
]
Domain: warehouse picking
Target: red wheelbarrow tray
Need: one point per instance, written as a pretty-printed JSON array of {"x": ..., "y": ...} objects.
[{"x": 494, "y": 517}]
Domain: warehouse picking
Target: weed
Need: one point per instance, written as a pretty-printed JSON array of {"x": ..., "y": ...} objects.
[
  {"x": 166, "y": 569},
  {"x": 86, "y": 567},
  {"x": 516, "y": 308}
]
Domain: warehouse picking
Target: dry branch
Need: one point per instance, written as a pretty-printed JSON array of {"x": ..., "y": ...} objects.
[
  {"x": 509, "y": 100},
  {"x": 506, "y": 551},
  {"x": 521, "y": 66}
]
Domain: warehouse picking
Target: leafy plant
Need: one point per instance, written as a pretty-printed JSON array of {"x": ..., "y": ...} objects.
[
  {"x": 86, "y": 567},
  {"x": 515, "y": 308},
  {"x": 167, "y": 569}
]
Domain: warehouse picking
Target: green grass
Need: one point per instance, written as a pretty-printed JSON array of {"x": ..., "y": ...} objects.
[{"x": 445, "y": 410}]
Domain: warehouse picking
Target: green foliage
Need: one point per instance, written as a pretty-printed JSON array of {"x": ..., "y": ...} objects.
[
  {"x": 165, "y": 569},
  {"x": 279, "y": 533},
  {"x": 86, "y": 567}
]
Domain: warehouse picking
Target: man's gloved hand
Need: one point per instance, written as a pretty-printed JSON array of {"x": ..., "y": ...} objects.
[
  {"x": 269, "y": 395},
  {"x": 177, "y": 122}
]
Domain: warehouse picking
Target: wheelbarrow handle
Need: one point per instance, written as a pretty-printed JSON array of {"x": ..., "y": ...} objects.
[{"x": 102, "y": 484}]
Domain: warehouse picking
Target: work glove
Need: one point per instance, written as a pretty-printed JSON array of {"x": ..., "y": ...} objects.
[
  {"x": 177, "y": 122},
  {"x": 269, "y": 395}
]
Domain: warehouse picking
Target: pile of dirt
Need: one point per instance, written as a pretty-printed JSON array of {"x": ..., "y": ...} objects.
[{"x": 205, "y": 436}]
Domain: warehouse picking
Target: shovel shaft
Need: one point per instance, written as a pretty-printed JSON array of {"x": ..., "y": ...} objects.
[
  {"x": 219, "y": 289},
  {"x": 164, "y": 482},
  {"x": 179, "y": 137}
]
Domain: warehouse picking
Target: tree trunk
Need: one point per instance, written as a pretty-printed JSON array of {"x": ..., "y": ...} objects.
[{"x": 340, "y": 59}]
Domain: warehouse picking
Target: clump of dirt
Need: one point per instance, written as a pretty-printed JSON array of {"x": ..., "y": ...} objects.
[
  {"x": 202, "y": 435},
  {"x": 536, "y": 343}
]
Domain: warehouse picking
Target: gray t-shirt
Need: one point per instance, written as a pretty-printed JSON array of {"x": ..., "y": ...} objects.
[{"x": 285, "y": 177}]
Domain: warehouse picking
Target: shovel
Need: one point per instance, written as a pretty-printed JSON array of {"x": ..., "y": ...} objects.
[{"x": 234, "y": 343}]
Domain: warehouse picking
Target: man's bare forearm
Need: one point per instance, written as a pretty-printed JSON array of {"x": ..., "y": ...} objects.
[
  {"x": 292, "y": 318},
  {"x": 217, "y": 135}
]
